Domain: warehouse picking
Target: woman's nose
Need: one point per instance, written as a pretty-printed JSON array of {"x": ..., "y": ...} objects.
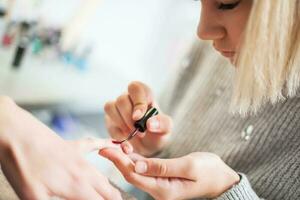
[{"x": 209, "y": 28}]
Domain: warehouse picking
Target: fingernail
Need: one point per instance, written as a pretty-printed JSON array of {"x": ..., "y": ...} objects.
[
  {"x": 141, "y": 135},
  {"x": 140, "y": 167},
  {"x": 114, "y": 143},
  {"x": 154, "y": 124},
  {"x": 137, "y": 114}
]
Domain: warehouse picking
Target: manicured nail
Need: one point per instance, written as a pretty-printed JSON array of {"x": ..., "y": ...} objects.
[
  {"x": 137, "y": 114},
  {"x": 114, "y": 143},
  {"x": 140, "y": 167},
  {"x": 154, "y": 125}
]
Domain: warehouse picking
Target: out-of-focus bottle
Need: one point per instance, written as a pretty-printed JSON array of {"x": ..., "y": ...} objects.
[{"x": 22, "y": 45}]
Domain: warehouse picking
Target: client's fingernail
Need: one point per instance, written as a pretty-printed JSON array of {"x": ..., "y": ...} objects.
[
  {"x": 140, "y": 167},
  {"x": 154, "y": 125},
  {"x": 137, "y": 114}
]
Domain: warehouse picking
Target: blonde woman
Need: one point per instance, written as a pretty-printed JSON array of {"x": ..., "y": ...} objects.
[{"x": 253, "y": 154}]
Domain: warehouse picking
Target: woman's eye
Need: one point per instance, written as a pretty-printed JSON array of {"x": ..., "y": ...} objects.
[{"x": 228, "y": 6}]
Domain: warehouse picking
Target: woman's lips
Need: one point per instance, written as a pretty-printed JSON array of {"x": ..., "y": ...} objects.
[{"x": 228, "y": 54}]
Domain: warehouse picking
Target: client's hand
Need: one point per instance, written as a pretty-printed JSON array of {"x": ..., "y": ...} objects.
[
  {"x": 39, "y": 164},
  {"x": 196, "y": 175}
]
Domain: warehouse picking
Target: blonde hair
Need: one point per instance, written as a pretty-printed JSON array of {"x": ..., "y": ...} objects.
[{"x": 268, "y": 65}]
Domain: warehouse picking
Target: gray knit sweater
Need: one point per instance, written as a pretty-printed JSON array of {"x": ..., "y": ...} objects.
[{"x": 264, "y": 149}]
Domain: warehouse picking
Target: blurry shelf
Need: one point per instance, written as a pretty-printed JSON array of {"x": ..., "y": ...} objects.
[{"x": 50, "y": 82}]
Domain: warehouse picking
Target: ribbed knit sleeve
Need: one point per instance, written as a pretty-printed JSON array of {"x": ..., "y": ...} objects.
[{"x": 240, "y": 191}]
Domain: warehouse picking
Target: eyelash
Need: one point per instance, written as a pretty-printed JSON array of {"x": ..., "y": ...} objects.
[{"x": 229, "y": 6}]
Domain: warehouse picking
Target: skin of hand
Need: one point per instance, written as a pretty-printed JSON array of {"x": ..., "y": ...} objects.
[
  {"x": 121, "y": 114},
  {"x": 197, "y": 175},
  {"x": 39, "y": 164}
]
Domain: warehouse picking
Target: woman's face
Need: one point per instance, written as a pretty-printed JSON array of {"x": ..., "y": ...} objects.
[{"x": 223, "y": 22}]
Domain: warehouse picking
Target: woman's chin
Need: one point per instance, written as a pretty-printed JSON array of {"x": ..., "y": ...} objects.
[
  {"x": 232, "y": 60},
  {"x": 228, "y": 55}
]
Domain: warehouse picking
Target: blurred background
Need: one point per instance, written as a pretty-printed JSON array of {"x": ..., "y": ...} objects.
[{"x": 62, "y": 60}]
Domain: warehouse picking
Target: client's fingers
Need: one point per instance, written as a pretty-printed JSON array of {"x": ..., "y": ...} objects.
[
  {"x": 92, "y": 144},
  {"x": 102, "y": 185},
  {"x": 84, "y": 191}
]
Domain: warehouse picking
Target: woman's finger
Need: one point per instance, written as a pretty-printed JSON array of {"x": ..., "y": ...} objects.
[
  {"x": 136, "y": 157},
  {"x": 125, "y": 108},
  {"x": 113, "y": 113},
  {"x": 155, "y": 186},
  {"x": 126, "y": 167},
  {"x": 114, "y": 131},
  {"x": 141, "y": 99},
  {"x": 161, "y": 124},
  {"x": 173, "y": 168}
]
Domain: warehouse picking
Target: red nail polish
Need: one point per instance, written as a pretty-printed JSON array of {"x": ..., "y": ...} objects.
[{"x": 117, "y": 142}]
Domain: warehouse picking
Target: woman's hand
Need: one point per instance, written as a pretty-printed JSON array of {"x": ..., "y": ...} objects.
[
  {"x": 121, "y": 114},
  {"x": 39, "y": 164},
  {"x": 197, "y": 175}
]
